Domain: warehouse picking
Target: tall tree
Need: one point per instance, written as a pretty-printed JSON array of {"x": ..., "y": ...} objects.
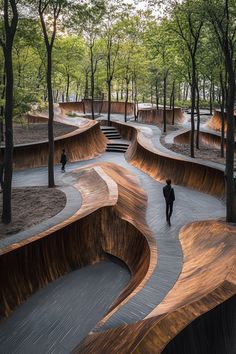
[
  {"x": 222, "y": 15},
  {"x": 188, "y": 25},
  {"x": 53, "y": 7},
  {"x": 10, "y": 14}
]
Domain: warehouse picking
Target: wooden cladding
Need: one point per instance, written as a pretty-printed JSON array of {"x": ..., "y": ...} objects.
[
  {"x": 205, "y": 138},
  {"x": 99, "y": 107},
  {"x": 155, "y": 116},
  {"x": 81, "y": 240},
  {"x": 208, "y": 279},
  {"x": 83, "y": 143},
  {"x": 216, "y": 121}
]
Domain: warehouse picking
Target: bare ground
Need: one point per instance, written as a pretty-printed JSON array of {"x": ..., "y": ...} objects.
[
  {"x": 30, "y": 206},
  {"x": 204, "y": 153},
  {"x": 34, "y": 132}
]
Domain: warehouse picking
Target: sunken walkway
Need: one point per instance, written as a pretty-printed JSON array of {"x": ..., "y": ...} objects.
[{"x": 59, "y": 316}]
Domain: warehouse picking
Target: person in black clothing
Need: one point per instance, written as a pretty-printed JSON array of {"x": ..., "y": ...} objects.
[
  {"x": 169, "y": 195},
  {"x": 63, "y": 160}
]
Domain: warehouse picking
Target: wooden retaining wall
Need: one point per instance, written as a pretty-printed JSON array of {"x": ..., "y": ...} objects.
[
  {"x": 155, "y": 116},
  {"x": 215, "y": 122},
  {"x": 85, "y": 238},
  {"x": 205, "y": 138},
  {"x": 83, "y": 143},
  {"x": 99, "y": 106},
  {"x": 208, "y": 278}
]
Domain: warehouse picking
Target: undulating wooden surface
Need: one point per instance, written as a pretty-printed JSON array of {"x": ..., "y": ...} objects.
[
  {"x": 155, "y": 116},
  {"x": 202, "y": 177},
  {"x": 99, "y": 107},
  {"x": 83, "y": 239},
  {"x": 208, "y": 278},
  {"x": 143, "y": 155},
  {"x": 83, "y": 143},
  {"x": 205, "y": 138},
  {"x": 112, "y": 220},
  {"x": 215, "y": 122}
]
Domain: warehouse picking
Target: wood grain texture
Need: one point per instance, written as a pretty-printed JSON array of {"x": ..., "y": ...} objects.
[
  {"x": 155, "y": 116},
  {"x": 99, "y": 106},
  {"x": 205, "y": 138},
  {"x": 83, "y": 239},
  {"x": 208, "y": 279},
  {"x": 201, "y": 176},
  {"x": 82, "y": 144},
  {"x": 215, "y": 122},
  {"x": 141, "y": 153}
]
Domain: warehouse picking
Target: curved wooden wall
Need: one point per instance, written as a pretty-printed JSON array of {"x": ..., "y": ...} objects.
[
  {"x": 84, "y": 238},
  {"x": 213, "y": 332},
  {"x": 208, "y": 279},
  {"x": 159, "y": 165},
  {"x": 215, "y": 122},
  {"x": 155, "y": 116},
  {"x": 83, "y": 143},
  {"x": 205, "y": 138},
  {"x": 116, "y": 107},
  {"x": 182, "y": 171}
]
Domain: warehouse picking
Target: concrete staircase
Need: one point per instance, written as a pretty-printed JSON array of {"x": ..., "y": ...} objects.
[{"x": 112, "y": 134}]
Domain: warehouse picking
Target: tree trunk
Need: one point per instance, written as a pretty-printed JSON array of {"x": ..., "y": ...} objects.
[
  {"x": 157, "y": 96},
  {"x": 8, "y": 155},
  {"x": 2, "y": 106},
  {"x": 173, "y": 104},
  {"x": 222, "y": 108},
  {"x": 230, "y": 183},
  {"x": 164, "y": 101},
  {"x": 77, "y": 91},
  {"x": 193, "y": 90},
  {"x": 68, "y": 88},
  {"x": 179, "y": 92},
  {"x": 51, "y": 182},
  {"x": 86, "y": 85},
  {"x": 109, "y": 103},
  {"x": 186, "y": 94},
  {"x": 92, "y": 82},
  {"x": 204, "y": 89},
  {"x": 151, "y": 93},
  {"x": 198, "y": 115},
  {"x": 210, "y": 101},
  {"x": 126, "y": 99},
  {"x": 135, "y": 99}
]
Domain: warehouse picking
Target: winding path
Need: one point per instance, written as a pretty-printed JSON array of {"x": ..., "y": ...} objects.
[{"x": 25, "y": 332}]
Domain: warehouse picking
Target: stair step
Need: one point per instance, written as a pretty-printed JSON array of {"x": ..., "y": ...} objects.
[
  {"x": 117, "y": 145},
  {"x": 116, "y": 150}
]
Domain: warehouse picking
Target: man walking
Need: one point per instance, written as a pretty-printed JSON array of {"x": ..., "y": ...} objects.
[
  {"x": 169, "y": 196},
  {"x": 63, "y": 160}
]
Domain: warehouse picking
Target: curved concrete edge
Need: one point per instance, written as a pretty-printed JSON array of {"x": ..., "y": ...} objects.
[{"x": 73, "y": 203}]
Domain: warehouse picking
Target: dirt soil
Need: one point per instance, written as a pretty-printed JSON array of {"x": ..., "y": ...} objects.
[
  {"x": 30, "y": 206},
  {"x": 204, "y": 153},
  {"x": 38, "y": 132}
]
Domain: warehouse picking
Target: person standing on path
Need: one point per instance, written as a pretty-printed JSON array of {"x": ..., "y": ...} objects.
[
  {"x": 169, "y": 196},
  {"x": 63, "y": 160}
]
